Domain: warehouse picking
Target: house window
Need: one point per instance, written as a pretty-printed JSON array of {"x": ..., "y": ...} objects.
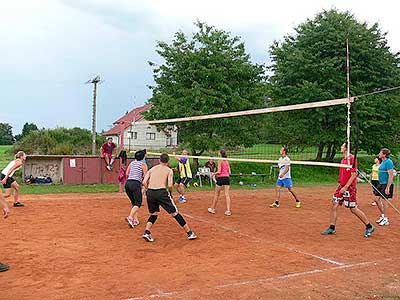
[
  {"x": 150, "y": 136},
  {"x": 132, "y": 135}
]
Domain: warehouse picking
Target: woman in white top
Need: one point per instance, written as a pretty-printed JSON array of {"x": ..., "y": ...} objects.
[{"x": 7, "y": 179}]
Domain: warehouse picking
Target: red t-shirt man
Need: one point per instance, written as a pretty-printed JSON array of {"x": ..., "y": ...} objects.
[{"x": 106, "y": 151}]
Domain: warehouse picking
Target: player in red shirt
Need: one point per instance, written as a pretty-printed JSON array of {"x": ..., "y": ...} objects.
[
  {"x": 106, "y": 151},
  {"x": 346, "y": 193}
]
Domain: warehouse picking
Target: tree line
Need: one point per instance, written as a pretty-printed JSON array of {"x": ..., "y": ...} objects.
[{"x": 213, "y": 73}]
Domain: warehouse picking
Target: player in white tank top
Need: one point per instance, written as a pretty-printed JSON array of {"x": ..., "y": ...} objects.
[{"x": 7, "y": 179}]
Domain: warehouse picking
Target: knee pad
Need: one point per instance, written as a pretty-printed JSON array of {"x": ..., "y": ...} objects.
[
  {"x": 180, "y": 219},
  {"x": 152, "y": 219},
  {"x": 336, "y": 199}
]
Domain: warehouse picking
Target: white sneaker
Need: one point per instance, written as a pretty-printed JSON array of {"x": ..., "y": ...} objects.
[
  {"x": 228, "y": 213},
  {"x": 380, "y": 220},
  {"x": 211, "y": 210},
  {"x": 130, "y": 221},
  {"x": 373, "y": 203},
  {"x": 384, "y": 222}
]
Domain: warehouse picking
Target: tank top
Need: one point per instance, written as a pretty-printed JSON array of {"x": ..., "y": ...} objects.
[
  {"x": 136, "y": 172},
  {"x": 375, "y": 172},
  {"x": 9, "y": 167},
  {"x": 225, "y": 170}
]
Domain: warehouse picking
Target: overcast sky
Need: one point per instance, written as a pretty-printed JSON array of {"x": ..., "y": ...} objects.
[{"x": 49, "y": 51}]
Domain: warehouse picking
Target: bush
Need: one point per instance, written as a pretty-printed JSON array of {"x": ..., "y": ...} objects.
[{"x": 59, "y": 141}]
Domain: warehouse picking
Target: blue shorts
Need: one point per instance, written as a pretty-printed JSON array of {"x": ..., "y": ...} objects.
[{"x": 287, "y": 182}]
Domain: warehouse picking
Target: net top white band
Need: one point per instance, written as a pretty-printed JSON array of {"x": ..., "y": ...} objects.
[{"x": 253, "y": 112}]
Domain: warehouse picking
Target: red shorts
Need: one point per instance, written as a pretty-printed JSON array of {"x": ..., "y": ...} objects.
[
  {"x": 107, "y": 155},
  {"x": 349, "y": 197}
]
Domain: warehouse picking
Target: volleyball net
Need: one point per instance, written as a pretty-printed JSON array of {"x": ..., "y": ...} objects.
[{"x": 312, "y": 132}]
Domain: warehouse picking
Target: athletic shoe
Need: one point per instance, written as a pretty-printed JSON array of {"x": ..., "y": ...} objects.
[
  {"x": 228, "y": 213},
  {"x": 211, "y": 210},
  {"x": 109, "y": 168},
  {"x": 274, "y": 205},
  {"x": 298, "y": 204},
  {"x": 147, "y": 237},
  {"x": 136, "y": 222},
  {"x": 373, "y": 203},
  {"x": 328, "y": 231},
  {"x": 369, "y": 231},
  {"x": 4, "y": 267},
  {"x": 384, "y": 222},
  {"x": 380, "y": 220},
  {"x": 130, "y": 221},
  {"x": 192, "y": 236},
  {"x": 18, "y": 204},
  {"x": 182, "y": 199}
]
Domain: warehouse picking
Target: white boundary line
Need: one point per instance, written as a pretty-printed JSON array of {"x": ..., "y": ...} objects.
[
  {"x": 161, "y": 294},
  {"x": 292, "y": 249}
]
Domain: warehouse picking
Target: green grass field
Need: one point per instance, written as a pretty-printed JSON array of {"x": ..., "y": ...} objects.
[{"x": 5, "y": 155}]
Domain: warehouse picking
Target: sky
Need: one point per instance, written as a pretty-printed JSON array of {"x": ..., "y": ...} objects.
[{"x": 50, "y": 48}]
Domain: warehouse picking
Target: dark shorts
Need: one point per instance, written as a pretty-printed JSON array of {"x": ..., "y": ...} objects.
[
  {"x": 349, "y": 197},
  {"x": 375, "y": 184},
  {"x": 185, "y": 181},
  {"x": 382, "y": 188},
  {"x": 9, "y": 181},
  {"x": 222, "y": 181},
  {"x": 133, "y": 189},
  {"x": 160, "y": 197}
]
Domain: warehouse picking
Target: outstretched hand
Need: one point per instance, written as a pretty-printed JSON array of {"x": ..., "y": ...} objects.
[{"x": 6, "y": 212}]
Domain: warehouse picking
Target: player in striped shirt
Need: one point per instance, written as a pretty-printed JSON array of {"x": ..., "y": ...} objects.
[{"x": 135, "y": 173}]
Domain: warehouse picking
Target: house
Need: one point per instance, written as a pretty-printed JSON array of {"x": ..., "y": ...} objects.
[{"x": 141, "y": 136}]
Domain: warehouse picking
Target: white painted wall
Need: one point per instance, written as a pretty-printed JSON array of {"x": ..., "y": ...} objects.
[{"x": 140, "y": 136}]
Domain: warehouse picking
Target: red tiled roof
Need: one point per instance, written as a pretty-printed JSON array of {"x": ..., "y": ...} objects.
[{"x": 127, "y": 119}]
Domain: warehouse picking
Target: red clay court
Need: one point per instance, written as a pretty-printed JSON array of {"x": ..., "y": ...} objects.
[{"x": 78, "y": 246}]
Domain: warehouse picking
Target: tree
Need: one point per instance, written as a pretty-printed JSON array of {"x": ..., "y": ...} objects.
[
  {"x": 28, "y": 127},
  {"x": 6, "y": 137},
  {"x": 213, "y": 74},
  {"x": 310, "y": 65}
]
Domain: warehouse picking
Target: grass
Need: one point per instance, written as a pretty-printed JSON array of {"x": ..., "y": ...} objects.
[
  {"x": 5, "y": 155},
  {"x": 59, "y": 188}
]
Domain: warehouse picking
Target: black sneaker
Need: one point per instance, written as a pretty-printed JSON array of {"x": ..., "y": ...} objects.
[
  {"x": 4, "y": 267},
  {"x": 192, "y": 236},
  {"x": 18, "y": 204},
  {"x": 147, "y": 237}
]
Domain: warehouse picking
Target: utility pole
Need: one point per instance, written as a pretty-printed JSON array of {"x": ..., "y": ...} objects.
[{"x": 95, "y": 81}]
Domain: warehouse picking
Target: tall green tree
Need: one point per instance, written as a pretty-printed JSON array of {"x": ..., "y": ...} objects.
[
  {"x": 212, "y": 73},
  {"x": 28, "y": 127},
  {"x": 6, "y": 136},
  {"x": 310, "y": 65}
]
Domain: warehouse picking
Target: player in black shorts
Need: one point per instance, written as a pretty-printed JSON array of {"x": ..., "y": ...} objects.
[{"x": 158, "y": 182}]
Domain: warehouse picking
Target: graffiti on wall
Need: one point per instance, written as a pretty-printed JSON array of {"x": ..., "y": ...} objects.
[{"x": 46, "y": 169}]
